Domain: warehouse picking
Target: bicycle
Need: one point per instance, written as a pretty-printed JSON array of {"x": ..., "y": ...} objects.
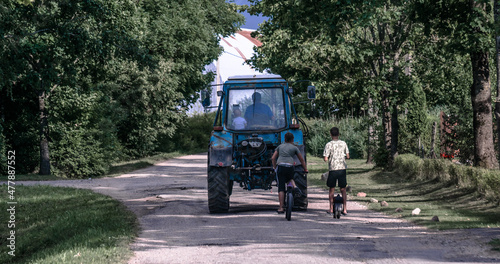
[
  {"x": 289, "y": 199},
  {"x": 338, "y": 204}
]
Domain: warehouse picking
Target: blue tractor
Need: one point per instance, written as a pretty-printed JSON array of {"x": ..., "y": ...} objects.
[{"x": 253, "y": 116}]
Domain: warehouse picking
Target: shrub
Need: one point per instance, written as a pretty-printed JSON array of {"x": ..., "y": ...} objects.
[
  {"x": 486, "y": 182},
  {"x": 193, "y": 134},
  {"x": 78, "y": 155},
  {"x": 352, "y": 131}
]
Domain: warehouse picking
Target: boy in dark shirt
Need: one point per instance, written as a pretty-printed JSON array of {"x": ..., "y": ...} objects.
[{"x": 283, "y": 160}]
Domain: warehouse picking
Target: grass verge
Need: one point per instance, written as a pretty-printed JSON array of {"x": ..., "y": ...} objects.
[
  {"x": 66, "y": 225},
  {"x": 455, "y": 207}
]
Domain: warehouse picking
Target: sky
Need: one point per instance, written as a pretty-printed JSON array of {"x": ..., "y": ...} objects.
[{"x": 252, "y": 22}]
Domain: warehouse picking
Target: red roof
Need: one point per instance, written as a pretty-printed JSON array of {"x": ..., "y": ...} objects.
[{"x": 247, "y": 35}]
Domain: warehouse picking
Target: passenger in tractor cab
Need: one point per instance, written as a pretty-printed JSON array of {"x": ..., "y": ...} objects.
[
  {"x": 258, "y": 113},
  {"x": 239, "y": 122}
]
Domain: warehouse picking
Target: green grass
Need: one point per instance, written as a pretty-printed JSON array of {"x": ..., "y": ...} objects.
[
  {"x": 456, "y": 207},
  {"x": 66, "y": 225}
]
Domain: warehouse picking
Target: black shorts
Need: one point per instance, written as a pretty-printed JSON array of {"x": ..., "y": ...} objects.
[
  {"x": 285, "y": 174},
  {"x": 337, "y": 175}
]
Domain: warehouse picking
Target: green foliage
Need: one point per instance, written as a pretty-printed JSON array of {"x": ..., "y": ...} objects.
[
  {"x": 417, "y": 116},
  {"x": 461, "y": 136},
  {"x": 485, "y": 182},
  {"x": 352, "y": 131},
  {"x": 112, "y": 77},
  {"x": 193, "y": 134},
  {"x": 83, "y": 133},
  {"x": 467, "y": 29},
  {"x": 77, "y": 155},
  {"x": 397, "y": 53},
  {"x": 408, "y": 138},
  {"x": 381, "y": 157}
]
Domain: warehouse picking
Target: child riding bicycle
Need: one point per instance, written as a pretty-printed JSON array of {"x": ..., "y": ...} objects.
[{"x": 284, "y": 163}]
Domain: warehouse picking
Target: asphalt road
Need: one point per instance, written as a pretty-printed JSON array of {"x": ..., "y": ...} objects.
[{"x": 170, "y": 200}]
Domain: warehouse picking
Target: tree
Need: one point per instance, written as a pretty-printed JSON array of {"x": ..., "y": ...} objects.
[
  {"x": 497, "y": 64},
  {"x": 48, "y": 44},
  {"x": 467, "y": 28},
  {"x": 355, "y": 52},
  {"x": 127, "y": 66},
  {"x": 181, "y": 37}
]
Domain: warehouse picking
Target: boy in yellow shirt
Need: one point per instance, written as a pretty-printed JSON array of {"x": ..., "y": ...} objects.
[{"x": 335, "y": 153}]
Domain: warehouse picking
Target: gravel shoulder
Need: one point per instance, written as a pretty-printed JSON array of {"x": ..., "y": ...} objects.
[{"x": 170, "y": 200}]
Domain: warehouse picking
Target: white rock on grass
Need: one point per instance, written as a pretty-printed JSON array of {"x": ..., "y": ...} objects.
[{"x": 415, "y": 211}]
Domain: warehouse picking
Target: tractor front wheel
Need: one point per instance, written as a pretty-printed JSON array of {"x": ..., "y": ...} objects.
[{"x": 218, "y": 189}]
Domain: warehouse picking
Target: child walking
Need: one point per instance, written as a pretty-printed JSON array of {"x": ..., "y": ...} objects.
[{"x": 335, "y": 153}]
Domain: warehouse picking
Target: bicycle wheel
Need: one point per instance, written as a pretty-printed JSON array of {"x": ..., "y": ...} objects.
[
  {"x": 337, "y": 211},
  {"x": 289, "y": 205}
]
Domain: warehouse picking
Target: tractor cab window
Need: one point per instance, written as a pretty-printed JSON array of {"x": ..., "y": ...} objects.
[{"x": 255, "y": 109}]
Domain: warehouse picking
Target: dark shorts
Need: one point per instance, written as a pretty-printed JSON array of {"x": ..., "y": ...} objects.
[
  {"x": 285, "y": 174},
  {"x": 335, "y": 176}
]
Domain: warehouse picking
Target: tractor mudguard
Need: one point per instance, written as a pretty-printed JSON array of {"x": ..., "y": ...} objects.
[
  {"x": 220, "y": 156},
  {"x": 220, "y": 151},
  {"x": 302, "y": 150}
]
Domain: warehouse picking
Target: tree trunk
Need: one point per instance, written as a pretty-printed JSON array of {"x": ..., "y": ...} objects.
[
  {"x": 497, "y": 101},
  {"x": 371, "y": 131},
  {"x": 484, "y": 151},
  {"x": 394, "y": 133},
  {"x": 433, "y": 141},
  {"x": 44, "y": 135},
  {"x": 386, "y": 120}
]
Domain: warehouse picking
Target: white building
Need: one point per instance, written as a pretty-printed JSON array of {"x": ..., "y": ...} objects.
[{"x": 237, "y": 49}]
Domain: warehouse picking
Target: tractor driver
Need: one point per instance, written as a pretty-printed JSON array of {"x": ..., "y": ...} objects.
[{"x": 258, "y": 113}]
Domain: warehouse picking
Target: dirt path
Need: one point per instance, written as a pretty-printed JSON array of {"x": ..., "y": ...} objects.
[{"x": 170, "y": 200}]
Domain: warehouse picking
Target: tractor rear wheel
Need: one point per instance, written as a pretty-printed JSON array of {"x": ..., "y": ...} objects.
[
  {"x": 218, "y": 189},
  {"x": 300, "y": 178}
]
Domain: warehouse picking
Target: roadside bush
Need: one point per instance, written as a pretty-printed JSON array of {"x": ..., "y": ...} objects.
[
  {"x": 78, "y": 155},
  {"x": 409, "y": 141},
  {"x": 485, "y": 182},
  {"x": 409, "y": 166},
  {"x": 192, "y": 135},
  {"x": 83, "y": 136},
  {"x": 352, "y": 131}
]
